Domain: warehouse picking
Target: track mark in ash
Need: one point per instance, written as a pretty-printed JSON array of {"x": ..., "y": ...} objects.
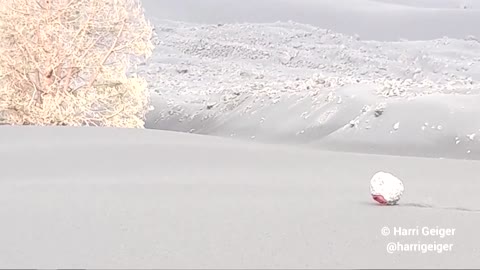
[{"x": 423, "y": 205}]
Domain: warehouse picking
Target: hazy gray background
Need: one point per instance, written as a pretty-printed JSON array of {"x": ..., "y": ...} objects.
[{"x": 371, "y": 19}]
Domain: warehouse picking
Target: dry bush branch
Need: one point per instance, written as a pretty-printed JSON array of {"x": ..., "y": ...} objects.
[{"x": 64, "y": 62}]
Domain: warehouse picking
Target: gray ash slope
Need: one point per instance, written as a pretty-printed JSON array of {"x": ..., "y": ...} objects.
[{"x": 288, "y": 82}]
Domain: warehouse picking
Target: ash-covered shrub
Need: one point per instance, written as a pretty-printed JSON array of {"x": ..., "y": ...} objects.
[{"x": 65, "y": 62}]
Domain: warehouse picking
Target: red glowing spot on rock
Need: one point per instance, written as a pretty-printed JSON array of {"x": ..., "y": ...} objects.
[{"x": 380, "y": 199}]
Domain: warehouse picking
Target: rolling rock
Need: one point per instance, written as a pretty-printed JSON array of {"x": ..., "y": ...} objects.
[{"x": 386, "y": 189}]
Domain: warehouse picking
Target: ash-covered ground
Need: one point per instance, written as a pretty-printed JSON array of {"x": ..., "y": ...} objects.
[{"x": 288, "y": 82}]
